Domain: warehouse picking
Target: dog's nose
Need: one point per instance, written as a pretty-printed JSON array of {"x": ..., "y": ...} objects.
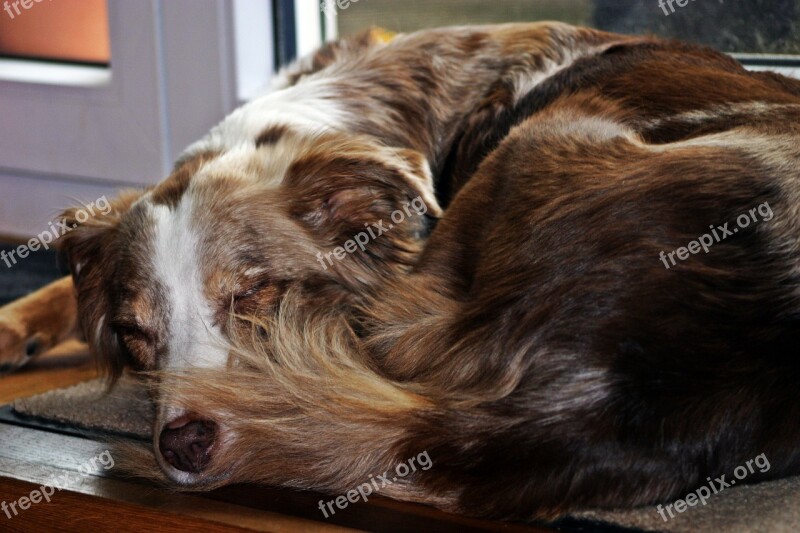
[{"x": 186, "y": 444}]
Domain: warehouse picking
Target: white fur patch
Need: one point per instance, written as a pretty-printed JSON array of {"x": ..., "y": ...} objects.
[
  {"x": 312, "y": 106},
  {"x": 193, "y": 338}
]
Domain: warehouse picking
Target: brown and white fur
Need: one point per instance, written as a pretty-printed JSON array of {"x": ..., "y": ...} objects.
[
  {"x": 164, "y": 278},
  {"x": 409, "y": 97},
  {"x": 539, "y": 351}
]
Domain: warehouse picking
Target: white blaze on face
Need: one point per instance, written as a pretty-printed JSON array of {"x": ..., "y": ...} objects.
[{"x": 193, "y": 340}]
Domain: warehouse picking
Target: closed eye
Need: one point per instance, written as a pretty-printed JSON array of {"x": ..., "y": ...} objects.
[
  {"x": 251, "y": 290},
  {"x": 132, "y": 330},
  {"x": 139, "y": 344}
]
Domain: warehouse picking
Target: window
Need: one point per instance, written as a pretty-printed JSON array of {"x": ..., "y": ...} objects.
[
  {"x": 751, "y": 26},
  {"x": 411, "y": 15},
  {"x": 66, "y": 30},
  {"x": 742, "y": 27}
]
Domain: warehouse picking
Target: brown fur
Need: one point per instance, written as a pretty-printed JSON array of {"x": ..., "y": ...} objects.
[
  {"x": 540, "y": 351},
  {"x": 536, "y": 348}
]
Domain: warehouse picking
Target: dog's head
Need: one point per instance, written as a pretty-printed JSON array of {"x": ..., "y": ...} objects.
[{"x": 168, "y": 278}]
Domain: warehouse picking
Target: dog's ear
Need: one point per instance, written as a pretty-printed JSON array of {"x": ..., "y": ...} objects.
[
  {"x": 85, "y": 231},
  {"x": 341, "y": 190},
  {"x": 89, "y": 248}
]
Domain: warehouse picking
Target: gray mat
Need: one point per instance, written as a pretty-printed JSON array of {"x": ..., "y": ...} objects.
[
  {"x": 125, "y": 409},
  {"x": 766, "y": 507}
]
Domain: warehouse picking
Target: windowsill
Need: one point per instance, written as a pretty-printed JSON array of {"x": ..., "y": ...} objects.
[
  {"x": 792, "y": 72},
  {"x": 19, "y": 70},
  {"x": 783, "y": 64}
]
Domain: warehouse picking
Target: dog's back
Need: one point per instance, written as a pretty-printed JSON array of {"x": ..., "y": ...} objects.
[
  {"x": 543, "y": 353},
  {"x": 606, "y": 315},
  {"x": 622, "y": 281}
]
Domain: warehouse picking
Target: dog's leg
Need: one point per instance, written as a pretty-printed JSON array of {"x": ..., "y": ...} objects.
[{"x": 37, "y": 322}]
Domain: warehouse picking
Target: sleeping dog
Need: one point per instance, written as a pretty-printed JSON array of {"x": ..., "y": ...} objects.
[
  {"x": 169, "y": 277},
  {"x": 539, "y": 351},
  {"x": 540, "y": 354}
]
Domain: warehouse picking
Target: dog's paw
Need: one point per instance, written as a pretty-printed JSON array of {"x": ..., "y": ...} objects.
[
  {"x": 35, "y": 323},
  {"x": 16, "y": 348}
]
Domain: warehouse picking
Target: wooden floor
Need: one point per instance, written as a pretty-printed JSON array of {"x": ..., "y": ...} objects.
[{"x": 33, "y": 458}]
